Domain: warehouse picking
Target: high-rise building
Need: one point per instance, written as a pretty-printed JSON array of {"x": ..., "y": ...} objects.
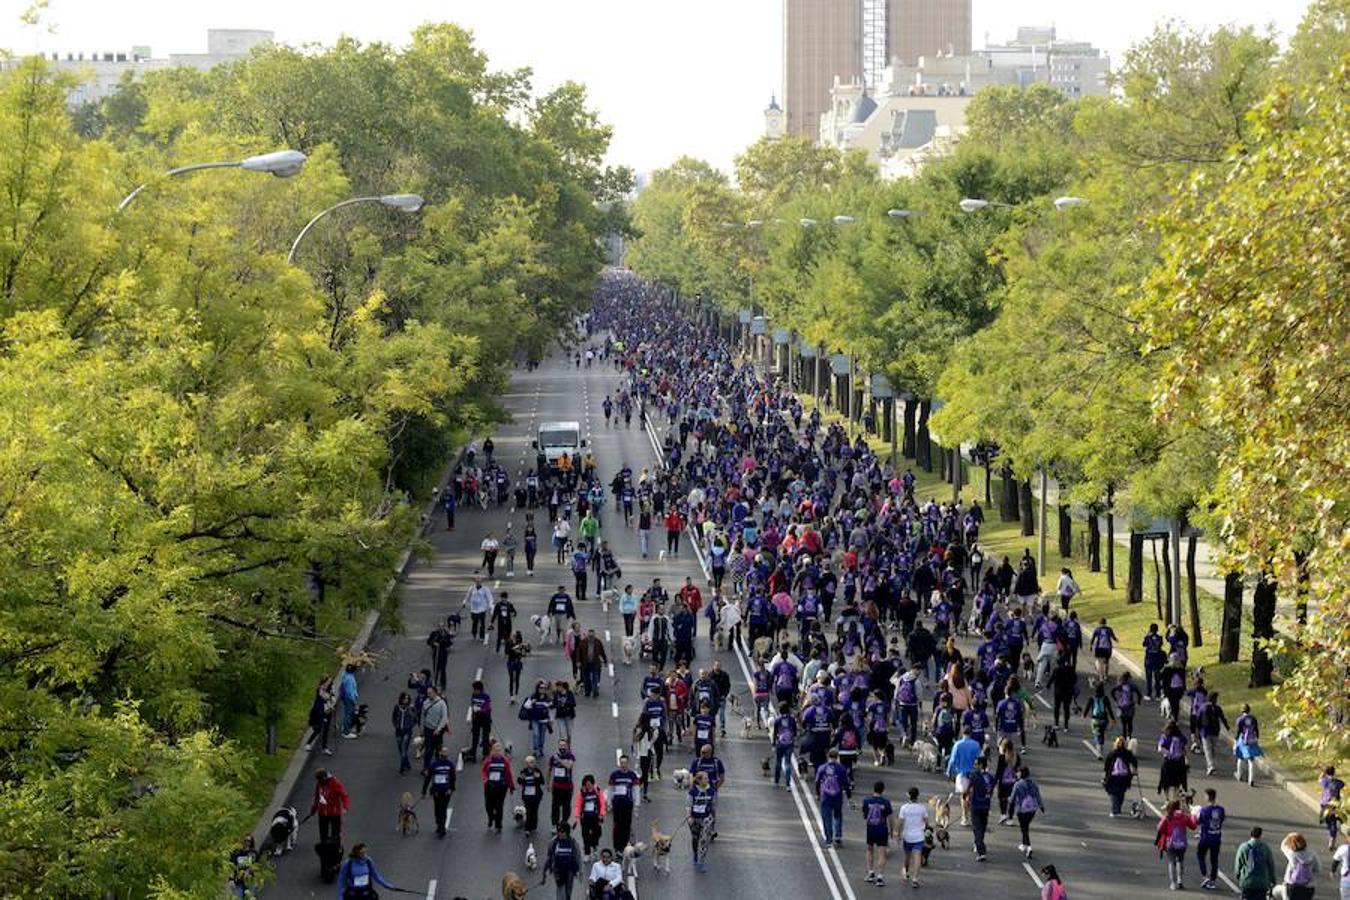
[
  {"x": 927, "y": 28},
  {"x": 854, "y": 41},
  {"x": 822, "y": 41}
]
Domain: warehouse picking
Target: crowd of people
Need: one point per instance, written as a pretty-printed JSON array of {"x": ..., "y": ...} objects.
[{"x": 872, "y": 621}]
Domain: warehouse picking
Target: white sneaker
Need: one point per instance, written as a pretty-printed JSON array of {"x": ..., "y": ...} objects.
[
  {"x": 309, "y": 747},
  {"x": 351, "y": 735},
  {"x": 327, "y": 752}
]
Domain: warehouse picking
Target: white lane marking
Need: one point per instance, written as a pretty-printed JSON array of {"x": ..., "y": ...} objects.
[
  {"x": 468, "y": 714},
  {"x": 611, "y": 670},
  {"x": 1044, "y": 702},
  {"x": 1157, "y": 812},
  {"x": 1034, "y": 877},
  {"x": 1091, "y": 749},
  {"x": 1228, "y": 881},
  {"x": 478, "y": 676},
  {"x": 607, "y": 636},
  {"x": 617, "y": 753},
  {"x": 431, "y": 889},
  {"x": 614, "y": 709},
  {"x": 459, "y": 764}
]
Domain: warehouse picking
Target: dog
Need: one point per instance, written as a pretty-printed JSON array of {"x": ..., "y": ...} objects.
[
  {"x": 765, "y": 766},
  {"x": 888, "y": 754},
  {"x": 926, "y": 753},
  {"x": 681, "y": 779},
  {"x": 418, "y": 742},
  {"x": 1132, "y": 745},
  {"x": 518, "y": 815},
  {"x": 543, "y": 625},
  {"x": 531, "y": 857},
  {"x": 281, "y": 834},
  {"x": 513, "y": 888},
  {"x": 1165, "y": 708},
  {"x": 330, "y": 860},
  {"x": 629, "y": 650},
  {"x": 929, "y": 843},
  {"x": 747, "y": 727},
  {"x": 1051, "y": 736},
  {"x": 631, "y": 854},
  {"x": 942, "y": 819},
  {"x": 608, "y": 597},
  {"x": 407, "y": 815},
  {"x": 763, "y": 648},
  {"x": 452, "y": 623},
  {"x": 359, "y": 719},
  {"x": 660, "y": 847},
  {"x": 1028, "y": 667}
]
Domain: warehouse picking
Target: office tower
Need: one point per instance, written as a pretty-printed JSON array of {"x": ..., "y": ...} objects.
[
  {"x": 927, "y": 28},
  {"x": 822, "y": 41}
]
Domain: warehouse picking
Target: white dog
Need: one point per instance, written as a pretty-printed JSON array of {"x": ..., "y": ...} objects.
[
  {"x": 629, "y": 650},
  {"x": 631, "y": 854},
  {"x": 281, "y": 834},
  {"x": 608, "y": 597},
  {"x": 680, "y": 778},
  {"x": 531, "y": 858},
  {"x": 926, "y": 753},
  {"x": 543, "y": 625}
]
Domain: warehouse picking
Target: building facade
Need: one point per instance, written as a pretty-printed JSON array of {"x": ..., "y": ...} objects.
[
  {"x": 927, "y": 28},
  {"x": 100, "y": 72},
  {"x": 822, "y": 41}
]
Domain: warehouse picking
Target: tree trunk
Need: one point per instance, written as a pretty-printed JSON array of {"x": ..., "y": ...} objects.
[
  {"x": 923, "y": 443},
  {"x": 1094, "y": 540},
  {"x": 1007, "y": 501},
  {"x": 1231, "y": 634},
  {"x": 943, "y": 467},
  {"x": 907, "y": 450},
  {"x": 1192, "y": 599},
  {"x": 988, "y": 494},
  {"x": 1263, "y": 629},
  {"x": 1134, "y": 579},
  {"x": 1111, "y": 538},
  {"x": 1157, "y": 584},
  {"x": 271, "y": 737},
  {"x": 1167, "y": 577},
  {"x": 1065, "y": 532},
  {"x": 1301, "y": 587},
  {"x": 1027, "y": 509}
]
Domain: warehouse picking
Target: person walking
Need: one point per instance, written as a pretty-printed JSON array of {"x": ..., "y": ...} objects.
[
  {"x": 674, "y": 525},
  {"x": 591, "y": 656},
  {"x": 404, "y": 719},
  {"x": 358, "y": 876},
  {"x": 1171, "y": 839},
  {"x": 498, "y": 781},
  {"x": 330, "y": 804},
  {"x": 831, "y": 778},
  {"x": 1247, "y": 744},
  {"x": 536, "y": 712},
  {"x": 1099, "y": 711},
  {"x": 1209, "y": 823},
  {"x": 479, "y": 601},
  {"x": 439, "y": 781},
  {"x": 562, "y": 783},
  {"x": 348, "y": 695},
  {"x": 490, "y": 547},
  {"x": 563, "y": 860},
  {"x": 913, "y": 824},
  {"x": 701, "y": 811},
  {"x": 623, "y": 794},
  {"x": 1052, "y": 887},
  {"x": 982, "y": 788},
  {"x": 516, "y": 650},
  {"x": 1172, "y": 777},
  {"x": 531, "y": 782},
  {"x": 1120, "y": 768},
  {"x": 1300, "y": 870},
  {"x": 440, "y": 641},
  {"x": 1026, "y": 801},
  {"x": 321, "y": 715},
  {"x": 480, "y": 721},
  {"x": 1340, "y": 867},
  {"x": 435, "y": 724},
  {"x": 531, "y": 542},
  {"x": 503, "y": 620},
  {"x": 588, "y": 813},
  {"x": 879, "y": 820},
  {"x": 959, "y": 767},
  {"x": 1254, "y": 867}
]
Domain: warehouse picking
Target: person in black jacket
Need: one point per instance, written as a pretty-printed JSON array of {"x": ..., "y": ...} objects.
[
  {"x": 564, "y": 861},
  {"x": 404, "y": 718}
]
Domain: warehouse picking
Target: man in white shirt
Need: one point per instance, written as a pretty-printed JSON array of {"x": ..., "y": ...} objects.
[
  {"x": 479, "y": 600},
  {"x": 913, "y": 822},
  {"x": 606, "y": 872}
]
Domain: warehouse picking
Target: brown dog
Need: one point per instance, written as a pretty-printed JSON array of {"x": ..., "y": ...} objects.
[{"x": 513, "y": 888}]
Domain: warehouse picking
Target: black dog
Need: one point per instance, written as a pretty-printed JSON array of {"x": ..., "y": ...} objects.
[
  {"x": 330, "y": 860},
  {"x": 888, "y": 754},
  {"x": 1051, "y": 736},
  {"x": 359, "y": 719}
]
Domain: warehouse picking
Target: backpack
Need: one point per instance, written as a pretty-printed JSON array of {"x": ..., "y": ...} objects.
[
  {"x": 848, "y": 740},
  {"x": 785, "y": 735},
  {"x": 1176, "y": 838},
  {"x": 784, "y": 679},
  {"x": 1119, "y": 769},
  {"x": 1301, "y": 872},
  {"x": 908, "y": 693},
  {"x": 1099, "y": 707}
]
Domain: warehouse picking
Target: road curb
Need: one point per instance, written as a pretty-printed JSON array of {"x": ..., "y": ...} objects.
[{"x": 281, "y": 793}]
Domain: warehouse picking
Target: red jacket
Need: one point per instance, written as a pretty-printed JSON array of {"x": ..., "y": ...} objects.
[
  {"x": 691, "y": 597},
  {"x": 330, "y": 798},
  {"x": 674, "y": 521},
  {"x": 510, "y": 778},
  {"x": 581, "y": 795}
]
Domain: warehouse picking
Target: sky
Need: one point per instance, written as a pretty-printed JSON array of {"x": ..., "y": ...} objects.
[{"x": 673, "y": 78}]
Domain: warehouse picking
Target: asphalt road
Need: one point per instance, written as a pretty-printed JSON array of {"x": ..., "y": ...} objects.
[{"x": 769, "y": 840}]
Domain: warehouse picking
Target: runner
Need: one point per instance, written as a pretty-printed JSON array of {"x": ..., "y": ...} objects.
[
  {"x": 913, "y": 824},
  {"x": 879, "y": 819}
]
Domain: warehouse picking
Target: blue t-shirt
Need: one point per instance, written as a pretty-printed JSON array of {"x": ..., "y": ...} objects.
[
  {"x": 1211, "y": 819},
  {"x": 877, "y": 813}
]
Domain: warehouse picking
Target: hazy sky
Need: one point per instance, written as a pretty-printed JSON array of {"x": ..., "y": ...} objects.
[{"x": 675, "y": 77}]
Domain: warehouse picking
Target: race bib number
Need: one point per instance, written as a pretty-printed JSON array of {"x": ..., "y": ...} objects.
[
  {"x": 529, "y": 790},
  {"x": 494, "y": 776},
  {"x": 654, "y": 722},
  {"x": 442, "y": 778},
  {"x": 620, "y": 790},
  {"x": 361, "y": 881},
  {"x": 559, "y": 772}
]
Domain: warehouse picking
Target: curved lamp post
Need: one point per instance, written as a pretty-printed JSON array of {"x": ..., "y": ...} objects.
[
  {"x": 843, "y": 220},
  {"x": 899, "y": 213},
  {"x": 1063, "y": 203},
  {"x": 281, "y": 163},
  {"x": 408, "y": 203}
]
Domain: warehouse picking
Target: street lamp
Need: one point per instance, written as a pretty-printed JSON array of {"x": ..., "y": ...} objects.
[
  {"x": 899, "y": 213},
  {"x": 408, "y": 203},
  {"x": 843, "y": 220},
  {"x": 1063, "y": 203},
  {"x": 281, "y": 163},
  {"x": 970, "y": 204},
  {"x": 754, "y": 223},
  {"x": 809, "y": 223}
]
